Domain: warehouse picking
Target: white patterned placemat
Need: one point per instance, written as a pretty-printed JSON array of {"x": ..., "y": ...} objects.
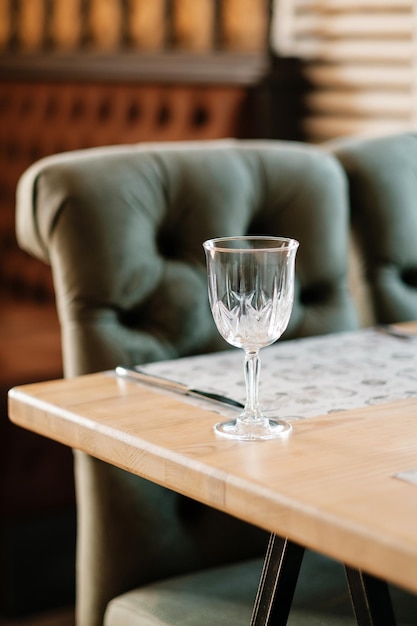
[{"x": 308, "y": 377}]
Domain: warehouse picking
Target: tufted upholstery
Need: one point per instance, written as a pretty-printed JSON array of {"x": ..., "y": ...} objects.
[
  {"x": 155, "y": 206},
  {"x": 122, "y": 229},
  {"x": 382, "y": 177}
]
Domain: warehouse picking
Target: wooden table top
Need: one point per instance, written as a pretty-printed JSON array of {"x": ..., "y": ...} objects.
[{"x": 329, "y": 486}]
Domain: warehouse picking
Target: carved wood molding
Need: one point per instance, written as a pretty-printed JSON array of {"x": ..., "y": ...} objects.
[{"x": 178, "y": 67}]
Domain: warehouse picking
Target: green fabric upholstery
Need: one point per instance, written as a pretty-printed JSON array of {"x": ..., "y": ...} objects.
[
  {"x": 382, "y": 175},
  {"x": 123, "y": 229},
  {"x": 225, "y": 596}
]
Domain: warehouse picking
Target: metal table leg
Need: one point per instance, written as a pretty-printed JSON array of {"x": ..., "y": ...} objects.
[
  {"x": 278, "y": 581},
  {"x": 370, "y": 598}
]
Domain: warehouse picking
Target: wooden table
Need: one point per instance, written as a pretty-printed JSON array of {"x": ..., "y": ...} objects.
[{"x": 330, "y": 486}]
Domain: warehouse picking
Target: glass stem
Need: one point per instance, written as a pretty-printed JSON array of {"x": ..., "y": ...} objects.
[{"x": 252, "y": 369}]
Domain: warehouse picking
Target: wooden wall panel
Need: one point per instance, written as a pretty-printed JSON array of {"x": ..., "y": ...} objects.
[{"x": 144, "y": 25}]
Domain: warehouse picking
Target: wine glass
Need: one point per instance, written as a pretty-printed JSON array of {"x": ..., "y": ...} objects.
[{"x": 251, "y": 293}]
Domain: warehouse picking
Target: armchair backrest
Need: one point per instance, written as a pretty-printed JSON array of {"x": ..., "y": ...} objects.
[
  {"x": 123, "y": 230},
  {"x": 382, "y": 182}
]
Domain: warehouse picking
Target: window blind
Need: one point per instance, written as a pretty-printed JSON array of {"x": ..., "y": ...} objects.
[{"x": 359, "y": 59}]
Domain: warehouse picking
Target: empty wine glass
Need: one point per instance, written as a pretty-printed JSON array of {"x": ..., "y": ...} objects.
[{"x": 251, "y": 293}]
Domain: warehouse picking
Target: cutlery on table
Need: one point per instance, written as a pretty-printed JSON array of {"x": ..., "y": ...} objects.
[
  {"x": 394, "y": 331},
  {"x": 172, "y": 385}
]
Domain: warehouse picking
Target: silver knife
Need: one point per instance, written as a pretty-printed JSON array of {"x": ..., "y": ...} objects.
[
  {"x": 388, "y": 329},
  {"x": 172, "y": 385}
]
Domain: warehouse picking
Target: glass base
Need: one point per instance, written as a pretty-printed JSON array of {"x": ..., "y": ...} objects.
[{"x": 253, "y": 430}]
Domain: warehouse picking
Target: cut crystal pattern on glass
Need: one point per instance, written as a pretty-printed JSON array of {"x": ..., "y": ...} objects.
[{"x": 251, "y": 291}]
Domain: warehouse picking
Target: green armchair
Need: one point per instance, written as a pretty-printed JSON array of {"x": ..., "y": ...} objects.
[{"x": 122, "y": 228}]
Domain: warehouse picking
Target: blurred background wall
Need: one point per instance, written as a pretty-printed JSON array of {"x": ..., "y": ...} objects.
[{"x": 34, "y": 25}]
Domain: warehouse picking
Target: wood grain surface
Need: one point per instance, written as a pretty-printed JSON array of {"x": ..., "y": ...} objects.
[{"x": 329, "y": 486}]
